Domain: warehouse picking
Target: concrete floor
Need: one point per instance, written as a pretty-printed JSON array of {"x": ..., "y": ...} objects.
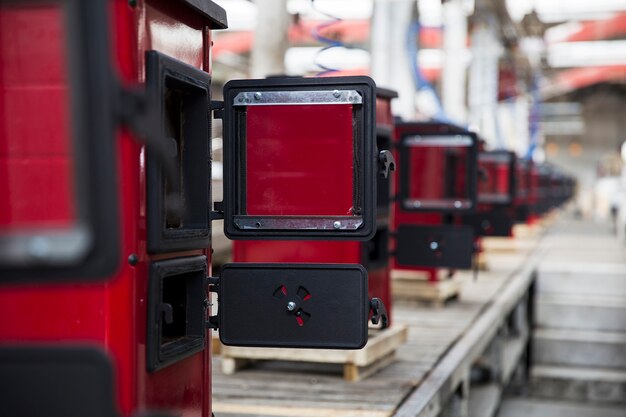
[
  {"x": 575, "y": 245},
  {"x": 532, "y": 407}
]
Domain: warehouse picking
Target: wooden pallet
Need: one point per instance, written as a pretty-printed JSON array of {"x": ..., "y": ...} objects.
[
  {"x": 415, "y": 285},
  {"x": 357, "y": 364},
  {"x": 216, "y": 345},
  {"x": 507, "y": 245},
  {"x": 527, "y": 230},
  {"x": 482, "y": 262},
  {"x": 499, "y": 244}
]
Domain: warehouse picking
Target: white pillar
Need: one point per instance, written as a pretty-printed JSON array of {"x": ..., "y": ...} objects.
[
  {"x": 270, "y": 38},
  {"x": 379, "y": 43},
  {"x": 390, "y": 65},
  {"x": 483, "y": 82},
  {"x": 454, "y": 72}
]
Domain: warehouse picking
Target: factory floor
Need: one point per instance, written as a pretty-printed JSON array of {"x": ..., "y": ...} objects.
[
  {"x": 533, "y": 407},
  {"x": 578, "y": 344},
  {"x": 577, "y": 271}
]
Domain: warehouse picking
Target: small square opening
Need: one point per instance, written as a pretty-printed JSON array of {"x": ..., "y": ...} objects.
[
  {"x": 176, "y": 312},
  {"x": 176, "y": 292},
  {"x": 185, "y": 101}
]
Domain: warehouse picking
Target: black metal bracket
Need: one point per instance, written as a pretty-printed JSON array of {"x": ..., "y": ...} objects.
[
  {"x": 386, "y": 163},
  {"x": 218, "y": 211},
  {"x": 131, "y": 110},
  {"x": 136, "y": 111},
  {"x": 168, "y": 312},
  {"x": 213, "y": 284},
  {"x": 212, "y": 323},
  {"x": 379, "y": 312},
  {"x": 217, "y": 107},
  {"x": 483, "y": 175}
]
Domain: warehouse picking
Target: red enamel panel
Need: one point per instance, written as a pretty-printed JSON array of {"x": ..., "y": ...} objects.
[
  {"x": 174, "y": 31},
  {"x": 178, "y": 32},
  {"x": 503, "y": 183},
  {"x": 296, "y": 160},
  {"x": 32, "y": 40},
  {"x": 522, "y": 182},
  {"x": 437, "y": 173},
  {"x": 535, "y": 184},
  {"x": 495, "y": 185},
  {"x": 300, "y": 251},
  {"x": 384, "y": 117},
  {"x": 427, "y": 173},
  {"x": 36, "y": 172},
  {"x": 52, "y": 313},
  {"x": 37, "y": 176}
]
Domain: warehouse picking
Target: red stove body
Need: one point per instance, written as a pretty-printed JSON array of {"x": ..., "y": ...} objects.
[
  {"x": 105, "y": 224},
  {"x": 497, "y": 187},
  {"x": 436, "y": 181},
  {"x": 534, "y": 195},
  {"x": 542, "y": 187},
  {"x": 552, "y": 189},
  {"x": 43, "y": 48},
  {"x": 372, "y": 254},
  {"x": 495, "y": 213},
  {"x": 522, "y": 193},
  {"x": 105, "y": 220}
]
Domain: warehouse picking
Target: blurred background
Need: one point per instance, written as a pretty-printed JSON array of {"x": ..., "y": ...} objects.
[{"x": 545, "y": 78}]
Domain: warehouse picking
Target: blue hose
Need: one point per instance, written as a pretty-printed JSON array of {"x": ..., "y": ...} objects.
[
  {"x": 421, "y": 83},
  {"x": 330, "y": 43}
]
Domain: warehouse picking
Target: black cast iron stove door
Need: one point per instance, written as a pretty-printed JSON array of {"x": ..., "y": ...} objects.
[{"x": 293, "y": 305}]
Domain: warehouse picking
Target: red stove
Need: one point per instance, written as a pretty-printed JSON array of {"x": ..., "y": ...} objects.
[
  {"x": 437, "y": 170},
  {"x": 496, "y": 195},
  {"x": 522, "y": 194},
  {"x": 316, "y": 193},
  {"x": 105, "y": 220},
  {"x": 96, "y": 237}
]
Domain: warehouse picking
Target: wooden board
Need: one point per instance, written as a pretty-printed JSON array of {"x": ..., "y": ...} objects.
[
  {"x": 216, "y": 345},
  {"x": 482, "y": 263},
  {"x": 357, "y": 364},
  {"x": 278, "y": 411},
  {"x": 506, "y": 244},
  {"x": 415, "y": 285},
  {"x": 527, "y": 230}
]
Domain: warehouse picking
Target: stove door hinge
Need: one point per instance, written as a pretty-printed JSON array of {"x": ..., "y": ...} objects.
[
  {"x": 218, "y": 211},
  {"x": 217, "y": 107},
  {"x": 213, "y": 283}
]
